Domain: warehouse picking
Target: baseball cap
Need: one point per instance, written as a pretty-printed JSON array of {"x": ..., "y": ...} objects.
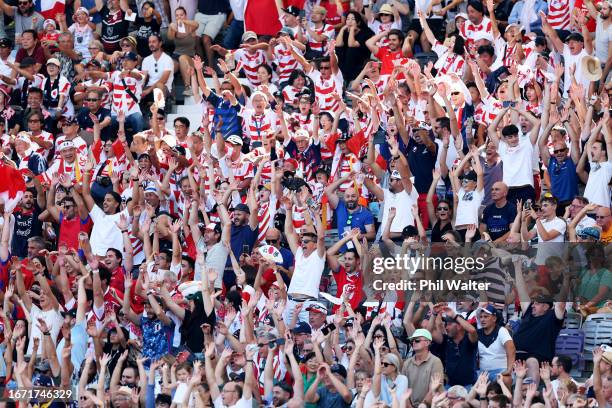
[
  {"x": 5, "y": 42},
  {"x": 23, "y": 136},
  {"x": 27, "y": 62},
  {"x": 213, "y": 226},
  {"x": 50, "y": 21},
  {"x": 235, "y": 140},
  {"x": 338, "y": 369},
  {"x": 410, "y": 231},
  {"x": 54, "y": 61},
  {"x": 294, "y": 11},
  {"x": 286, "y": 30},
  {"x": 544, "y": 299},
  {"x": 574, "y": 37},
  {"x": 489, "y": 309},
  {"x": 150, "y": 187},
  {"x": 421, "y": 333},
  {"x": 292, "y": 162},
  {"x": 461, "y": 15},
  {"x": 131, "y": 56},
  {"x": 470, "y": 175},
  {"x": 395, "y": 174},
  {"x": 302, "y": 328},
  {"x": 242, "y": 207},
  {"x": 589, "y": 233},
  {"x": 71, "y": 313},
  {"x": 66, "y": 144},
  {"x": 483, "y": 35},
  {"x": 93, "y": 63},
  {"x": 169, "y": 140},
  {"x": 249, "y": 35},
  {"x": 317, "y": 307},
  {"x": 69, "y": 120},
  {"x": 82, "y": 10},
  {"x": 301, "y": 133}
]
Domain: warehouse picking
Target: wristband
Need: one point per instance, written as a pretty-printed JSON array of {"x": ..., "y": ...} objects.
[
  {"x": 250, "y": 361},
  {"x": 46, "y": 333},
  {"x": 396, "y": 157},
  {"x": 124, "y": 231},
  {"x": 95, "y": 271}
]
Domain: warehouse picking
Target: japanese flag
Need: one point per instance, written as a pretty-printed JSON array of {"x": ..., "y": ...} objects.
[{"x": 12, "y": 187}]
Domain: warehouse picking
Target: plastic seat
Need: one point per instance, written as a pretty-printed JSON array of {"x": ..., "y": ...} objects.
[{"x": 570, "y": 342}]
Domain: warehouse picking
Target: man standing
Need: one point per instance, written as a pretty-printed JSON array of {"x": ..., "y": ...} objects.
[
  {"x": 348, "y": 212},
  {"x": 348, "y": 276},
  {"x": 498, "y": 217},
  {"x": 460, "y": 344},
  {"x": 26, "y": 18},
  {"x": 597, "y": 189},
  {"x": 540, "y": 325},
  {"x": 27, "y": 224},
  {"x": 389, "y": 54},
  {"x": 422, "y": 368}
]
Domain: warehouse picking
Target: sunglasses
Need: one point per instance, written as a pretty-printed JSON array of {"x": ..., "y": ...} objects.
[
  {"x": 384, "y": 364},
  {"x": 443, "y": 208},
  {"x": 417, "y": 341},
  {"x": 33, "y": 120},
  {"x": 601, "y": 217},
  {"x": 23, "y": 3},
  {"x": 92, "y": 100},
  {"x": 272, "y": 241},
  {"x": 347, "y": 348},
  {"x": 161, "y": 118},
  {"x": 325, "y": 67},
  {"x": 559, "y": 151},
  {"x": 455, "y": 93},
  {"x": 306, "y": 241}
]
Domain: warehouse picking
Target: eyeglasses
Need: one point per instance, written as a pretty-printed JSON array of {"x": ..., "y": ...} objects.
[
  {"x": 385, "y": 364},
  {"x": 417, "y": 340},
  {"x": 272, "y": 241},
  {"x": 306, "y": 241},
  {"x": 161, "y": 118},
  {"x": 325, "y": 67},
  {"x": 33, "y": 120},
  {"x": 559, "y": 151},
  {"x": 347, "y": 348},
  {"x": 23, "y": 3},
  {"x": 601, "y": 217},
  {"x": 229, "y": 390},
  {"x": 443, "y": 208},
  {"x": 67, "y": 206},
  {"x": 455, "y": 93},
  {"x": 92, "y": 100}
]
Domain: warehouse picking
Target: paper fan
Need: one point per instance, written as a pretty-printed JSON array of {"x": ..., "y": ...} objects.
[{"x": 270, "y": 253}]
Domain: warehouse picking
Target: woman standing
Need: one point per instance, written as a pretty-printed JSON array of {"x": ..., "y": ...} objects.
[
  {"x": 351, "y": 45},
  {"x": 182, "y": 32}
]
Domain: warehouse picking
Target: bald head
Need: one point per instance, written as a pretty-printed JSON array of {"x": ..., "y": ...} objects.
[
  {"x": 273, "y": 237},
  {"x": 603, "y": 217},
  {"x": 499, "y": 192}
]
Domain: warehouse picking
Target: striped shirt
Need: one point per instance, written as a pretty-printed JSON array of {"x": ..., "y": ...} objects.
[
  {"x": 257, "y": 126},
  {"x": 285, "y": 62},
  {"x": 121, "y": 100},
  {"x": 325, "y": 30},
  {"x": 469, "y": 30},
  {"x": 324, "y": 88},
  {"x": 559, "y": 14},
  {"x": 448, "y": 62},
  {"x": 250, "y": 62}
]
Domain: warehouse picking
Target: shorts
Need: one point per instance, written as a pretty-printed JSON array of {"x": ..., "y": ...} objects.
[{"x": 209, "y": 25}]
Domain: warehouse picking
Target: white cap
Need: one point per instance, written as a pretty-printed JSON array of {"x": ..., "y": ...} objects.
[
  {"x": 301, "y": 133},
  {"x": 235, "y": 140},
  {"x": 66, "y": 144},
  {"x": 483, "y": 35},
  {"x": 169, "y": 140}
]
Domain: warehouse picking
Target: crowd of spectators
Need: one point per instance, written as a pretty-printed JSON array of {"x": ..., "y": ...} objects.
[{"x": 150, "y": 265}]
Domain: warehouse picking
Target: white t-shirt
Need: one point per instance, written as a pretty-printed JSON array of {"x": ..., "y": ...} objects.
[
  {"x": 307, "y": 274},
  {"x": 54, "y": 321},
  {"x": 402, "y": 202},
  {"x": 556, "y": 224},
  {"x": 569, "y": 61},
  {"x": 494, "y": 356},
  {"x": 5, "y": 69},
  {"x": 155, "y": 69},
  {"x": 105, "y": 234},
  {"x": 517, "y": 163},
  {"x": 598, "y": 185},
  {"x": 241, "y": 403},
  {"x": 467, "y": 207},
  {"x": 603, "y": 36}
]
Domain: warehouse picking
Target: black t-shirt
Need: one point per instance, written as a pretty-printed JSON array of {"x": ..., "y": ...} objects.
[
  {"x": 460, "y": 360},
  {"x": 191, "y": 332},
  {"x": 498, "y": 220},
  {"x": 114, "y": 28},
  {"x": 27, "y": 226},
  {"x": 537, "y": 335},
  {"x": 145, "y": 30},
  {"x": 85, "y": 122},
  {"x": 437, "y": 232}
]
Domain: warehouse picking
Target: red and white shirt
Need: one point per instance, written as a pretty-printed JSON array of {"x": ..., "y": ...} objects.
[
  {"x": 324, "y": 88},
  {"x": 448, "y": 62},
  {"x": 121, "y": 100},
  {"x": 46, "y": 137},
  {"x": 559, "y": 14},
  {"x": 258, "y": 125},
  {"x": 290, "y": 94},
  {"x": 79, "y": 143},
  {"x": 285, "y": 62},
  {"x": 250, "y": 62},
  {"x": 325, "y": 30},
  {"x": 469, "y": 30}
]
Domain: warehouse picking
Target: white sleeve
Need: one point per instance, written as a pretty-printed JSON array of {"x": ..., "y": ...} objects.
[{"x": 503, "y": 335}]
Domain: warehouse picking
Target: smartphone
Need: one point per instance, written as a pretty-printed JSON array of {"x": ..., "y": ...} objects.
[
  {"x": 527, "y": 205},
  {"x": 302, "y": 14},
  {"x": 245, "y": 249},
  {"x": 349, "y": 322},
  {"x": 328, "y": 329},
  {"x": 508, "y": 104},
  {"x": 280, "y": 342}
]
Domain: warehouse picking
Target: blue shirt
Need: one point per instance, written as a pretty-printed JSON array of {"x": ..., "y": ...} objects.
[
  {"x": 232, "y": 124},
  {"x": 515, "y": 14},
  {"x": 498, "y": 220},
  {"x": 563, "y": 179},
  {"x": 85, "y": 121},
  {"x": 357, "y": 219},
  {"x": 156, "y": 338}
]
